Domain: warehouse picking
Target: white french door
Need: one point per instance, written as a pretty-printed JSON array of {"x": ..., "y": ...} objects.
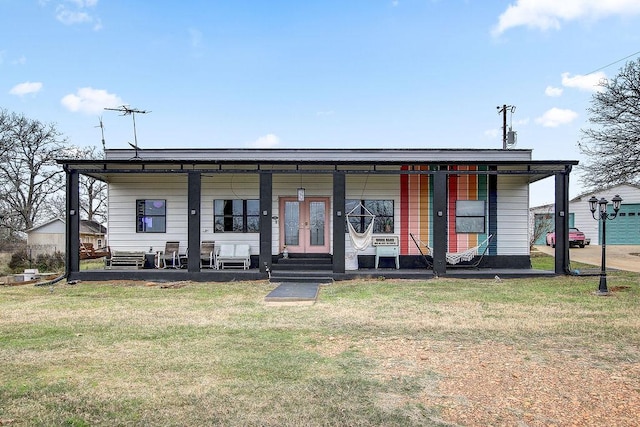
[{"x": 304, "y": 225}]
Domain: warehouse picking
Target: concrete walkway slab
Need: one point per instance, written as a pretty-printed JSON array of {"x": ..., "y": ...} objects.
[{"x": 294, "y": 292}]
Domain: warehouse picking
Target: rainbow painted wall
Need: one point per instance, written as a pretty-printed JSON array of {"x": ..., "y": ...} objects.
[{"x": 416, "y": 202}]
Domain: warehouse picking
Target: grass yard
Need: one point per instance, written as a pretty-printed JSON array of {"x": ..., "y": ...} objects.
[{"x": 442, "y": 352}]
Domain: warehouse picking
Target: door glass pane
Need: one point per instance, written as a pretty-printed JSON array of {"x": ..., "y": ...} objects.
[
  {"x": 291, "y": 223},
  {"x": 316, "y": 223}
]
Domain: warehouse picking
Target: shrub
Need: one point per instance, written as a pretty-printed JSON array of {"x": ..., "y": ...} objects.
[
  {"x": 19, "y": 261},
  {"x": 43, "y": 262},
  {"x": 50, "y": 262}
]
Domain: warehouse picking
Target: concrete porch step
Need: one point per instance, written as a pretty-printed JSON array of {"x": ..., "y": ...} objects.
[{"x": 307, "y": 276}]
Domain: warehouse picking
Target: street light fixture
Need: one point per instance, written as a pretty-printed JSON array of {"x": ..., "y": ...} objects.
[{"x": 601, "y": 207}]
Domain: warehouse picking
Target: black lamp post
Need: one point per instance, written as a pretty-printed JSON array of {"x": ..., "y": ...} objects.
[{"x": 601, "y": 207}]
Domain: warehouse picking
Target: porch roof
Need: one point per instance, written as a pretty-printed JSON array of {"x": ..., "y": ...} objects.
[{"x": 382, "y": 161}]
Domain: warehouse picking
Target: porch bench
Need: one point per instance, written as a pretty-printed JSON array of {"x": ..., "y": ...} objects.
[
  {"x": 124, "y": 259},
  {"x": 230, "y": 255}
]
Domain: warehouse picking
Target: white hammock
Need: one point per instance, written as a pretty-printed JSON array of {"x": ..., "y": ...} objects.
[
  {"x": 458, "y": 257},
  {"x": 360, "y": 241}
]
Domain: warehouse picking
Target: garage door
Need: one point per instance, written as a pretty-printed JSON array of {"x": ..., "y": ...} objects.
[{"x": 625, "y": 228}]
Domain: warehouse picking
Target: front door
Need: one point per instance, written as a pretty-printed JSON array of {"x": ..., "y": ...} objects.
[{"x": 304, "y": 225}]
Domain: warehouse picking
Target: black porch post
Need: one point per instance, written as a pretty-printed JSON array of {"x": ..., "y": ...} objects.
[
  {"x": 266, "y": 231},
  {"x": 72, "y": 224},
  {"x": 194, "y": 184},
  {"x": 339, "y": 226},
  {"x": 440, "y": 222},
  {"x": 562, "y": 221}
]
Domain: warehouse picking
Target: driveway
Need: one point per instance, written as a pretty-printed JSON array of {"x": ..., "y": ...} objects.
[{"x": 618, "y": 256}]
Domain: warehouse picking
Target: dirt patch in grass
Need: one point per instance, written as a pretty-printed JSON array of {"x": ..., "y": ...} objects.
[{"x": 492, "y": 383}]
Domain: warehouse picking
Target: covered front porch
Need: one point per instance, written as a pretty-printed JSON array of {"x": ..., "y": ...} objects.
[{"x": 194, "y": 171}]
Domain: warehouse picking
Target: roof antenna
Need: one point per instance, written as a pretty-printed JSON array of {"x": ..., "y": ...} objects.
[
  {"x": 101, "y": 126},
  {"x": 125, "y": 110}
]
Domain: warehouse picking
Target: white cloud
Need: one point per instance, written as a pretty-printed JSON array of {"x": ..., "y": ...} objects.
[
  {"x": 590, "y": 82},
  {"x": 84, "y": 3},
  {"x": 26, "y": 88},
  {"x": 77, "y": 13},
  {"x": 550, "y": 14},
  {"x": 90, "y": 101},
  {"x": 69, "y": 17},
  {"x": 556, "y": 117},
  {"x": 325, "y": 113},
  {"x": 20, "y": 61},
  {"x": 553, "y": 91},
  {"x": 267, "y": 141}
]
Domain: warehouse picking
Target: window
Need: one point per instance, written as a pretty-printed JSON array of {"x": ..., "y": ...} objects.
[
  {"x": 382, "y": 209},
  {"x": 151, "y": 216},
  {"x": 470, "y": 216},
  {"x": 236, "y": 216}
]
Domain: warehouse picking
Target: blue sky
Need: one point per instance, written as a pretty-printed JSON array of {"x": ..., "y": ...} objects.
[{"x": 316, "y": 74}]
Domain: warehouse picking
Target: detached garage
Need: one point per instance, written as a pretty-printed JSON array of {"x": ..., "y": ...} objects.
[{"x": 623, "y": 230}]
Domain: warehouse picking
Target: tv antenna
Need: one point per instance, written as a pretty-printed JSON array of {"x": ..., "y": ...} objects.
[
  {"x": 126, "y": 111},
  {"x": 508, "y": 137},
  {"x": 101, "y": 126}
]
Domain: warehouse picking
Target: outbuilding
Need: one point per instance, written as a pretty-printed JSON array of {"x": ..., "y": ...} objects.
[{"x": 623, "y": 230}]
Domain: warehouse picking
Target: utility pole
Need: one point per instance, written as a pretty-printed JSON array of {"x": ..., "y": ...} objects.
[{"x": 504, "y": 110}]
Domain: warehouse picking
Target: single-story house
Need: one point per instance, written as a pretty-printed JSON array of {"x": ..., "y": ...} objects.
[
  {"x": 320, "y": 202},
  {"x": 50, "y": 237},
  {"x": 623, "y": 230}
]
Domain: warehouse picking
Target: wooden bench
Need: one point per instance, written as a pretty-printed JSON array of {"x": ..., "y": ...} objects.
[
  {"x": 87, "y": 251},
  {"x": 124, "y": 259}
]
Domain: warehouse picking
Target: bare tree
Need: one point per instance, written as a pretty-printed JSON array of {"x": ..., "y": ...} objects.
[
  {"x": 93, "y": 192},
  {"x": 540, "y": 223},
  {"x": 29, "y": 175},
  {"x": 613, "y": 143}
]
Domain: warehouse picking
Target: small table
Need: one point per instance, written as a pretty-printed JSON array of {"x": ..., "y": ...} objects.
[
  {"x": 149, "y": 260},
  {"x": 388, "y": 251}
]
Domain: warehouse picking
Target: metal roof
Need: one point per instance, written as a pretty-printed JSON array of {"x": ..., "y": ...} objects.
[{"x": 382, "y": 161}]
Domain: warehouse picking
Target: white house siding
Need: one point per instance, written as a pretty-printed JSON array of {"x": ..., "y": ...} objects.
[
  {"x": 513, "y": 215},
  {"x": 582, "y": 215},
  {"x": 124, "y": 190}
]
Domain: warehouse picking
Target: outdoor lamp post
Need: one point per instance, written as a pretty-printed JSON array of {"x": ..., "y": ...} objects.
[{"x": 601, "y": 207}]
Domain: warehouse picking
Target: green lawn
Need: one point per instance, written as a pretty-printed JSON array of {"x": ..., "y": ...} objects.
[{"x": 367, "y": 353}]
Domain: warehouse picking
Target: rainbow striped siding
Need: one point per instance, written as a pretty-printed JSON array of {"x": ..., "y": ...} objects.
[{"x": 416, "y": 201}]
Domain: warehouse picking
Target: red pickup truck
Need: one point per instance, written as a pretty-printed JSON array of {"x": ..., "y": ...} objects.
[{"x": 576, "y": 238}]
